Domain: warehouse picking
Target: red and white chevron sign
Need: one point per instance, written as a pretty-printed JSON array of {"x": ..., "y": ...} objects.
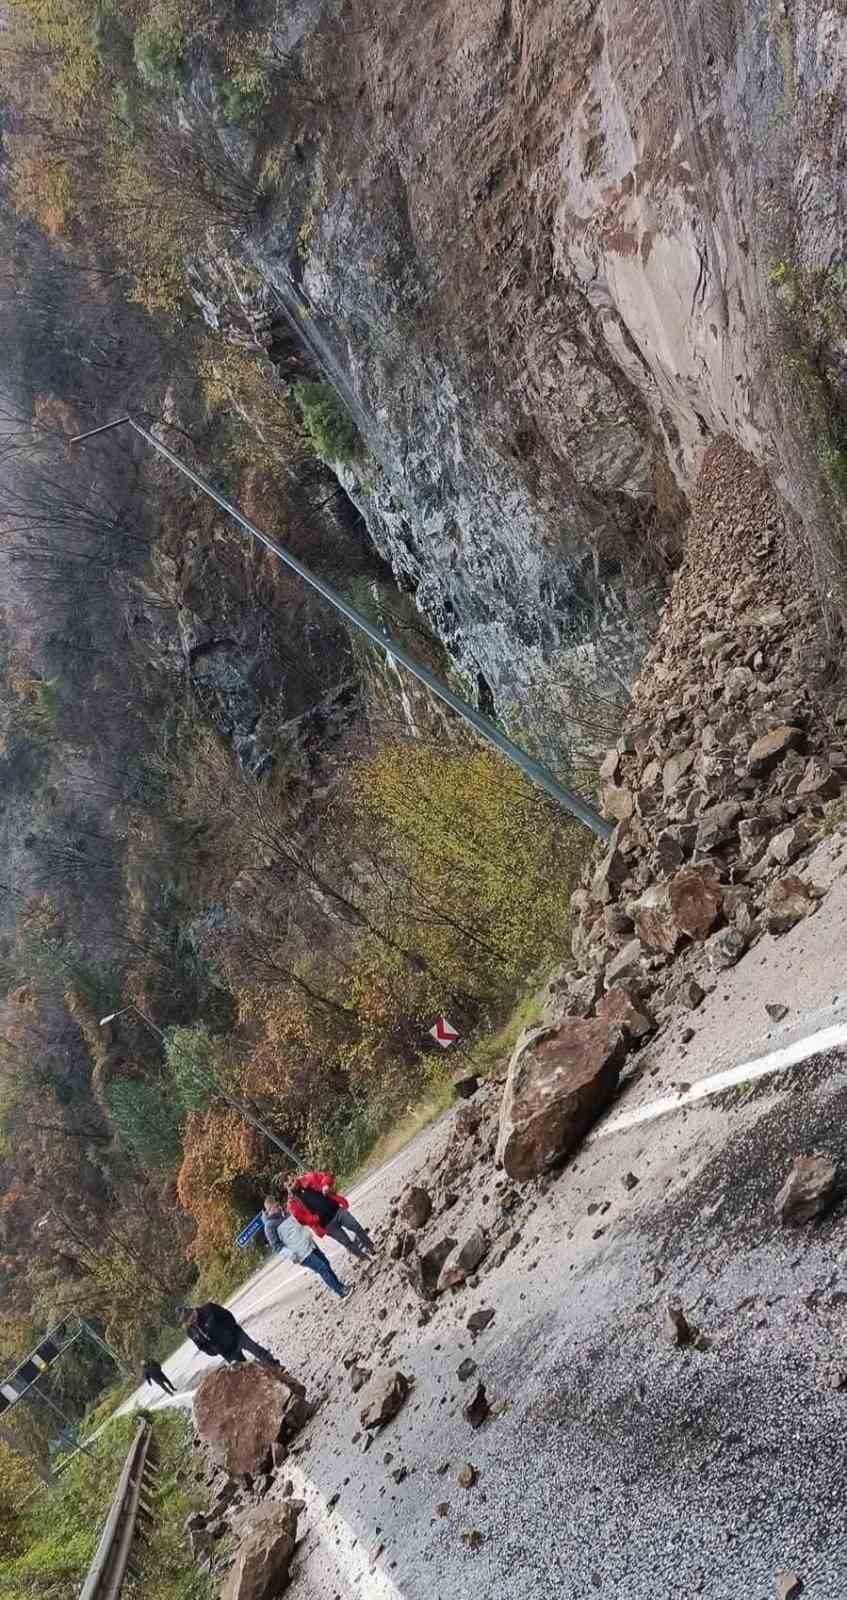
[{"x": 444, "y": 1033}]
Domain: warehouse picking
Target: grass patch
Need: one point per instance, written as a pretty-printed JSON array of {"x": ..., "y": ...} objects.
[
  {"x": 61, "y": 1529},
  {"x": 395, "y": 1139},
  {"x": 495, "y": 1049}
]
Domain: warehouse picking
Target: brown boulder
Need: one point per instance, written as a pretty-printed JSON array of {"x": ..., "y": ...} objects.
[
  {"x": 559, "y": 1080},
  {"x": 464, "y": 1260},
  {"x": 241, "y": 1412},
  {"x": 383, "y": 1397},
  {"x": 618, "y": 802},
  {"x": 675, "y": 769},
  {"x": 627, "y": 965},
  {"x": 619, "y": 1008},
  {"x": 819, "y": 781},
  {"x": 466, "y": 1122},
  {"x": 687, "y": 905},
  {"x": 764, "y": 755},
  {"x": 416, "y": 1206},
  {"x": 809, "y": 1188},
  {"x": 609, "y": 876},
  {"x": 694, "y": 896},
  {"x": 423, "y": 1273},
  {"x": 260, "y": 1570},
  {"x": 656, "y": 927},
  {"x": 786, "y": 846},
  {"x": 788, "y": 901}
]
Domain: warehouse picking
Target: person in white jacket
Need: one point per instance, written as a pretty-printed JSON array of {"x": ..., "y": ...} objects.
[{"x": 288, "y": 1238}]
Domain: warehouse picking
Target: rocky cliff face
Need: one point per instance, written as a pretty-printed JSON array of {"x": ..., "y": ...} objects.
[{"x": 533, "y": 244}]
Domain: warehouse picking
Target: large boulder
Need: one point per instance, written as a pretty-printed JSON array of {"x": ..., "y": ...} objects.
[
  {"x": 260, "y": 1570},
  {"x": 559, "y": 1080},
  {"x": 241, "y": 1412}
]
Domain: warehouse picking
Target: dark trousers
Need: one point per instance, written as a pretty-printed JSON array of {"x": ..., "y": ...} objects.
[
  {"x": 253, "y": 1349},
  {"x": 346, "y": 1230},
  {"x": 165, "y": 1383},
  {"x": 319, "y": 1263}
]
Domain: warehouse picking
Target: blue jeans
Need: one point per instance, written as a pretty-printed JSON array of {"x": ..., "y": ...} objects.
[{"x": 317, "y": 1262}]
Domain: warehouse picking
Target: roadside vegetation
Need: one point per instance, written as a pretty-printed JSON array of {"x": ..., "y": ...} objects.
[{"x": 46, "y": 1548}]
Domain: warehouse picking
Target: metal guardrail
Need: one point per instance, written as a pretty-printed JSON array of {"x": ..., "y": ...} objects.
[{"x": 130, "y": 1507}]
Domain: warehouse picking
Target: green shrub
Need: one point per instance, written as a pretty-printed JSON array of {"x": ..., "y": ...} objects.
[
  {"x": 195, "y": 1060},
  {"x": 159, "y": 51},
  {"x": 329, "y": 427},
  {"x": 245, "y": 95},
  {"x": 146, "y": 1120}
]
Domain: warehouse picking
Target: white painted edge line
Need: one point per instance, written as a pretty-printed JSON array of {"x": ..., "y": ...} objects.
[
  {"x": 357, "y": 1569},
  {"x": 761, "y": 1067}
]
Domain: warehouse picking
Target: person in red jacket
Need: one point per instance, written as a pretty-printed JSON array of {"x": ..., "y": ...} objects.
[{"x": 312, "y": 1199}]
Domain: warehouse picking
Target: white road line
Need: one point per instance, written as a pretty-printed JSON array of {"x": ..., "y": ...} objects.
[
  {"x": 357, "y": 1567},
  {"x": 813, "y": 1044}
]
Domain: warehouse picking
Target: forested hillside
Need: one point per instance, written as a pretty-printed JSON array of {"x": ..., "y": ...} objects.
[{"x": 218, "y": 809}]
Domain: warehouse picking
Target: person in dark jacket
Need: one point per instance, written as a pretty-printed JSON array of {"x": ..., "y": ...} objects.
[
  {"x": 155, "y": 1373},
  {"x": 215, "y": 1331},
  {"x": 312, "y": 1200}
]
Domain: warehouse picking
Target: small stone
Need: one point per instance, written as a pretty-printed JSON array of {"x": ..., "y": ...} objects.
[
  {"x": 629, "y": 1180},
  {"x": 609, "y": 766},
  {"x": 726, "y": 947},
  {"x": 400, "y": 1474},
  {"x": 788, "y": 1586},
  {"x": 443, "y": 1509},
  {"x": 776, "y": 1012},
  {"x": 467, "y": 1087},
  {"x": 626, "y": 965},
  {"x": 464, "y": 1260},
  {"x": 687, "y": 1035},
  {"x": 809, "y": 1188},
  {"x": 691, "y": 994},
  {"x": 474, "y": 1540},
  {"x": 677, "y": 1327},
  {"x": 383, "y": 1398},
  {"x": 478, "y": 1321},
  {"x": 468, "y": 1476},
  {"x": 466, "y": 1369},
  {"x": 359, "y": 1376},
  {"x": 477, "y": 1410},
  {"x": 609, "y": 876}
]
